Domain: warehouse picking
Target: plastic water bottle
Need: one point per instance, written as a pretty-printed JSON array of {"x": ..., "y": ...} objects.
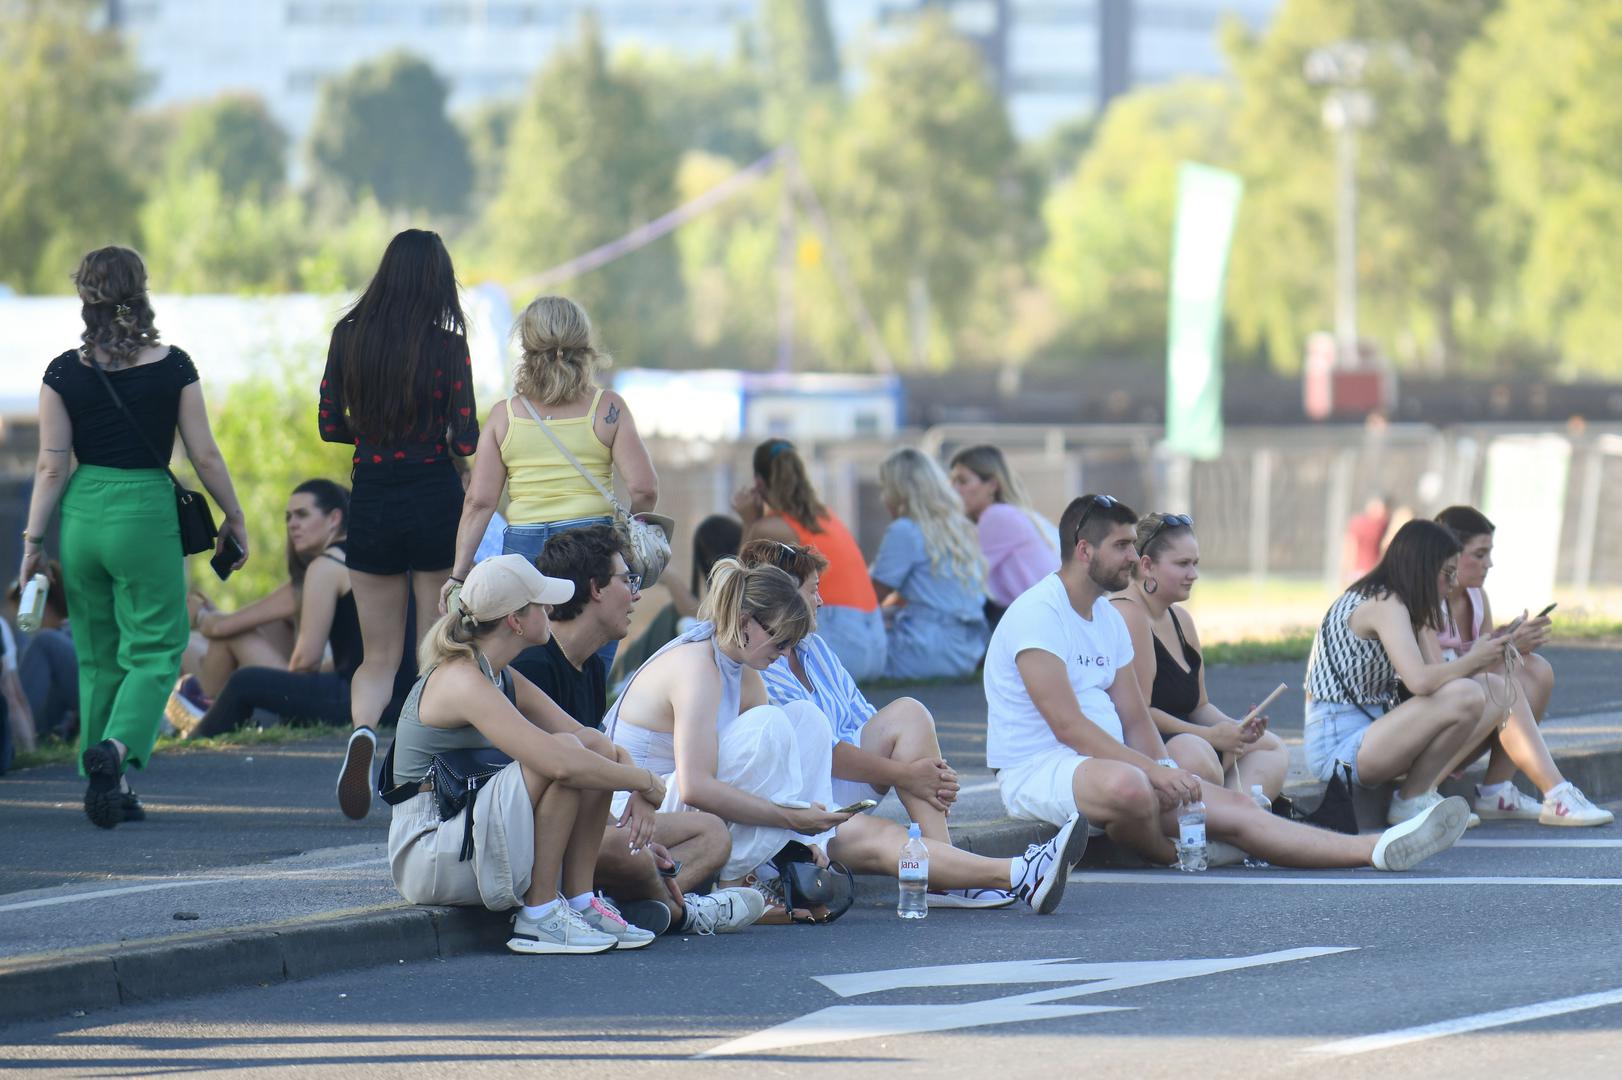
[
  {"x": 1191, "y": 837},
  {"x": 31, "y": 605},
  {"x": 913, "y": 873},
  {"x": 1256, "y": 862}
]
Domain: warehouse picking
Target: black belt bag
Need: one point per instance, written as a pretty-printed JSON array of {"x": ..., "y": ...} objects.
[{"x": 454, "y": 777}]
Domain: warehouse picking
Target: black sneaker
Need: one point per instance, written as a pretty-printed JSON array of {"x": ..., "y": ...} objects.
[
  {"x": 103, "y": 802},
  {"x": 355, "y": 778},
  {"x": 133, "y": 810},
  {"x": 650, "y": 915}
]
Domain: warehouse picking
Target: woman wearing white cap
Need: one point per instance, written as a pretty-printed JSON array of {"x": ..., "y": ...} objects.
[{"x": 537, "y": 822}]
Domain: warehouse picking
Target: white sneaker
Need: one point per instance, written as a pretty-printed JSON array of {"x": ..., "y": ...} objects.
[
  {"x": 1565, "y": 805},
  {"x": 1515, "y": 806},
  {"x": 724, "y": 911},
  {"x": 1433, "y": 829},
  {"x": 1402, "y": 810},
  {"x": 604, "y": 918},
  {"x": 971, "y": 899},
  {"x": 561, "y": 932},
  {"x": 1046, "y": 867},
  {"x": 355, "y": 778}
]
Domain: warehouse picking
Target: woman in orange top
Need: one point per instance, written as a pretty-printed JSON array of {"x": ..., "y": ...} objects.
[{"x": 782, "y": 505}]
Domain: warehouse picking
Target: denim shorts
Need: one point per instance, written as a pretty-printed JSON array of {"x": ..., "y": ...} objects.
[
  {"x": 1334, "y": 732},
  {"x": 529, "y": 540},
  {"x": 403, "y": 517}
]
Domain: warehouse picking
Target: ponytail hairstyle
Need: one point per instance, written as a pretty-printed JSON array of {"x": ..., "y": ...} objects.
[
  {"x": 328, "y": 496},
  {"x": 769, "y": 594},
  {"x": 557, "y": 361},
  {"x": 117, "y": 312},
  {"x": 782, "y": 473},
  {"x": 1409, "y": 570},
  {"x": 456, "y": 635},
  {"x": 987, "y": 462},
  {"x": 916, "y": 487},
  {"x": 799, "y": 560}
]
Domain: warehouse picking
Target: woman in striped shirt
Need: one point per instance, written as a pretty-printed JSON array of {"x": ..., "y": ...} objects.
[{"x": 874, "y": 749}]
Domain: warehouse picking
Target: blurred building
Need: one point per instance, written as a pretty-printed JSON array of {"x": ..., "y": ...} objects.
[{"x": 1052, "y": 59}]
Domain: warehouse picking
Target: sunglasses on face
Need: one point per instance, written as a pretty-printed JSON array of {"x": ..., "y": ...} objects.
[
  {"x": 1168, "y": 521},
  {"x": 632, "y": 579},
  {"x": 1094, "y": 502}
]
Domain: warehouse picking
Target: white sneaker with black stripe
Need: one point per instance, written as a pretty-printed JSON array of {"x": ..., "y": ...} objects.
[
  {"x": 1040, "y": 874},
  {"x": 971, "y": 899}
]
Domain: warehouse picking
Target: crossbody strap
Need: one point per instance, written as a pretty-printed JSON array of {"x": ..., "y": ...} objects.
[
  {"x": 163, "y": 462},
  {"x": 564, "y": 450}
]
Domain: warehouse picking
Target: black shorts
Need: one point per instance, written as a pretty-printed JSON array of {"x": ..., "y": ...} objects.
[{"x": 403, "y": 517}]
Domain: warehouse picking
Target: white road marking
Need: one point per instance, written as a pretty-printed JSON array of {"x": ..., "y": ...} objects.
[
  {"x": 840, "y": 1022},
  {"x": 1402, "y": 1036},
  {"x": 130, "y": 890},
  {"x": 1528, "y": 842},
  {"x": 1171, "y": 877}
]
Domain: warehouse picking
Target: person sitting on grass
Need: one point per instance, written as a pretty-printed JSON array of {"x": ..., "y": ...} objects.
[
  {"x": 539, "y": 821},
  {"x": 659, "y": 888},
  {"x": 1378, "y": 638},
  {"x": 1068, "y": 729},
  {"x": 1171, "y": 672},
  {"x": 875, "y": 750},
  {"x": 698, "y": 713},
  {"x": 1466, "y": 617}
]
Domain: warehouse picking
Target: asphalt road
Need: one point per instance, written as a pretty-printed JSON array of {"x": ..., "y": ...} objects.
[{"x": 1244, "y": 973}]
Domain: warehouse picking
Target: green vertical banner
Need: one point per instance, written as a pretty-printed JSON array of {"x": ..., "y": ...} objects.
[{"x": 1207, "y": 203}]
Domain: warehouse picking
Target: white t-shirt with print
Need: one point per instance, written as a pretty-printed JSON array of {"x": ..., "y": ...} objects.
[{"x": 1093, "y": 650}]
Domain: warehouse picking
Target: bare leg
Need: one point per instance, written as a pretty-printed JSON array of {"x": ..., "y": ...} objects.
[
  {"x": 586, "y": 836},
  {"x": 1266, "y": 762},
  {"x": 870, "y": 845},
  {"x": 1197, "y": 756},
  {"x": 1235, "y": 819},
  {"x": 1117, "y": 797},
  {"x": 425, "y": 586},
  {"x": 1536, "y": 681},
  {"x": 698, "y": 841},
  {"x": 904, "y": 731},
  {"x": 252, "y": 648},
  {"x": 380, "y": 602},
  {"x": 555, "y": 810},
  {"x": 1422, "y": 737}
]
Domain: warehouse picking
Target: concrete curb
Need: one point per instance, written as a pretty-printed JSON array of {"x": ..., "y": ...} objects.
[{"x": 74, "y": 981}]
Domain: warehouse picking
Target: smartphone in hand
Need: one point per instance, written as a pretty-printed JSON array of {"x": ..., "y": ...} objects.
[
  {"x": 1546, "y": 611},
  {"x": 226, "y": 558},
  {"x": 857, "y": 807}
]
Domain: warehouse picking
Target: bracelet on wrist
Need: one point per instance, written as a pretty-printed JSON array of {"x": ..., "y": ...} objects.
[
  {"x": 30, "y": 538},
  {"x": 1166, "y": 762}
]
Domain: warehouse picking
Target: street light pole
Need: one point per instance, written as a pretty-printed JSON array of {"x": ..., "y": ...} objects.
[{"x": 1347, "y": 108}]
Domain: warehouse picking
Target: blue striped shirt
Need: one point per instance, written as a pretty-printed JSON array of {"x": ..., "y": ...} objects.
[{"x": 835, "y": 694}]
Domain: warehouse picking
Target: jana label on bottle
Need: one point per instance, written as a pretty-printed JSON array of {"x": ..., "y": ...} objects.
[
  {"x": 911, "y": 868},
  {"x": 1192, "y": 832}
]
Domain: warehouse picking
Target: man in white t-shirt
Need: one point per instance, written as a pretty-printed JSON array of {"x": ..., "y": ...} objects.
[{"x": 1068, "y": 730}]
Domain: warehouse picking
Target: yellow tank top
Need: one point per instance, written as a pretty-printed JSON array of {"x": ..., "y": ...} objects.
[{"x": 542, "y": 485}]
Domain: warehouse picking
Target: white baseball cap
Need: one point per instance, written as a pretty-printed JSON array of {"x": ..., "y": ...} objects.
[{"x": 499, "y": 586}]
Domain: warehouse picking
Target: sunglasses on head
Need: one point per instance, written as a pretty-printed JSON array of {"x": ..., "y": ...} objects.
[
  {"x": 1094, "y": 502},
  {"x": 1167, "y": 521}
]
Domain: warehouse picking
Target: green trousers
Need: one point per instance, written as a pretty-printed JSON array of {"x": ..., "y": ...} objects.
[{"x": 125, "y": 581}]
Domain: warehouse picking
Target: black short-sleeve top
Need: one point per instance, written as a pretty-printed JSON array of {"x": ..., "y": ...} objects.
[{"x": 102, "y": 434}]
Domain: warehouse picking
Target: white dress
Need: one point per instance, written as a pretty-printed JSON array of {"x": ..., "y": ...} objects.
[{"x": 782, "y": 754}]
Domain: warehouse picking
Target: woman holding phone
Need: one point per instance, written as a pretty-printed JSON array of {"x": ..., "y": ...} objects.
[
  {"x": 1167, "y": 661},
  {"x": 1467, "y": 617}
]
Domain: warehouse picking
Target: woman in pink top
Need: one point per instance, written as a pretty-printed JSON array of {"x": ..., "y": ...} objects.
[
  {"x": 1466, "y": 616},
  {"x": 1017, "y": 542}
]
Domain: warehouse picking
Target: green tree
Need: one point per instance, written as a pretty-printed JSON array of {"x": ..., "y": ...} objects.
[
  {"x": 197, "y": 238},
  {"x": 585, "y": 165},
  {"x": 926, "y": 187},
  {"x": 64, "y": 97},
  {"x": 700, "y": 104},
  {"x": 487, "y": 129},
  {"x": 235, "y": 138},
  {"x": 1424, "y": 267},
  {"x": 381, "y": 127},
  {"x": 1110, "y": 225},
  {"x": 1552, "y": 131},
  {"x": 800, "y": 62}
]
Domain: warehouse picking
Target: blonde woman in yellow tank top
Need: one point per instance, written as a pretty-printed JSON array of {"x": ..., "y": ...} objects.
[{"x": 556, "y": 377}]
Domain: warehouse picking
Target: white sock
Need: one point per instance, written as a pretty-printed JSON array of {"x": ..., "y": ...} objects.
[
  {"x": 1487, "y": 791},
  {"x": 1556, "y": 791},
  {"x": 539, "y": 911},
  {"x": 1016, "y": 871},
  {"x": 581, "y": 902}
]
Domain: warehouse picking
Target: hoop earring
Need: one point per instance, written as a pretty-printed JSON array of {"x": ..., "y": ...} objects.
[{"x": 1151, "y": 586}]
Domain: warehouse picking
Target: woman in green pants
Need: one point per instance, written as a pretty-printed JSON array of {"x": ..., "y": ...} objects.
[{"x": 122, "y": 568}]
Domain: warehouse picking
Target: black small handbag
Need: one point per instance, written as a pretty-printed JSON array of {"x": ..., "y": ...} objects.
[
  {"x": 807, "y": 886},
  {"x": 197, "y": 531}
]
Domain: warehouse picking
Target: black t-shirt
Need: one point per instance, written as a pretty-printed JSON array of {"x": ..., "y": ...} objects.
[
  {"x": 102, "y": 435},
  {"x": 581, "y": 694}
]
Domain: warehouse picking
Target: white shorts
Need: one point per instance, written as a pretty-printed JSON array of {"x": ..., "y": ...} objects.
[
  {"x": 852, "y": 791},
  {"x": 424, "y": 852},
  {"x": 1042, "y": 788}
]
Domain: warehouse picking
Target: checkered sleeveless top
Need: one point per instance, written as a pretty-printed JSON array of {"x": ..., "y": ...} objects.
[{"x": 1366, "y": 676}]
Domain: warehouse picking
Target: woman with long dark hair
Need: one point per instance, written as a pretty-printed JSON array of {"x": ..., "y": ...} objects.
[
  {"x": 1467, "y": 616},
  {"x": 1372, "y": 639},
  {"x": 122, "y": 564},
  {"x": 398, "y": 387},
  {"x": 782, "y": 504},
  {"x": 1021, "y": 547}
]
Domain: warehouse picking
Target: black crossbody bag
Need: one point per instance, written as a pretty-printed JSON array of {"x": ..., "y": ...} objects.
[{"x": 197, "y": 531}]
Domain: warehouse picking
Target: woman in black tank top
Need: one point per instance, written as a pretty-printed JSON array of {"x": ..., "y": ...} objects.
[{"x": 1166, "y": 657}]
